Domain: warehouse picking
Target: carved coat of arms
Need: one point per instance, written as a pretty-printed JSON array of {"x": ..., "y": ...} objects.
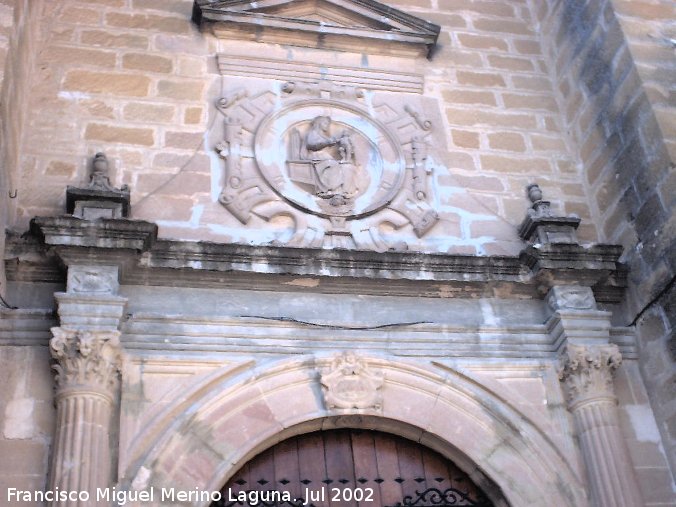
[
  {"x": 332, "y": 167},
  {"x": 350, "y": 383}
]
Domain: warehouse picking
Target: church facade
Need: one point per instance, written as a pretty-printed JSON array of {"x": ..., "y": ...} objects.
[{"x": 337, "y": 252}]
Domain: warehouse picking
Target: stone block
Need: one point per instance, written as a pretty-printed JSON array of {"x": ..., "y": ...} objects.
[
  {"x": 28, "y": 457},
  {"x": 505, "y": 164},
  {"x": 650, "y": 218},
  {"x": 510, "y": 63},
  {"x": 172, "y": 160},
  {"x": 175, "y": 44},
  {"x": 112, "y": 40},
  {"x": 459, "y": 58},
  {"x": 80, "y": 15},
  {"x": 534, "y": 83},
  {"x": 98, "y": 108},
  {"x": 180, "y": 90},
  {"x": 191, "y": 66},
  {"x": 480, "y": 204},
  {"x": 655, "y": 485},
  {"x": 182, "y": 7},
  {"x": 482, "y": 42},
  {"x": 494, "y": 229},
  {"x": 132, "y": 85},
  {"x": 465, "y": 139},
  {"x": 667, "y": 189},
  {"x": 442, "y": 18},
  {"x": 107, "y": 3},
  {"x": 490, "y": 8},
  {"x": 482, "y": 183},
  {"x": 480, "y": 78},
  {"x": 469, "y": 97},
  {"x": 149, "y": 63},
  {"x": 148, "y": 22},
  {"x": 531, "y": 101},
  {"x": 192, "y": 115},
  {"x": 503, "y": 26},
  {"x": 547, "y": 143},
  {"x": 60, "y": 168},
  {"x": 509, "y": 141},
  {"x": 644, "y": 10},
  {"x": 184, "y": 140},
  {"x": 167, "y": 208},
  {"x": 154, "y": 113},
  {"x": 115, "y": 134},
  {"x": 73, "y": 56},
  {"x": 476, "y": 116},
  {"x": 528, "y": 47}
]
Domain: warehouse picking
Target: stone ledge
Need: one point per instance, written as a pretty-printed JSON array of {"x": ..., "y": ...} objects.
[
  {"x": 102, "y": 233},
  {"x": 143, "y": 260}
]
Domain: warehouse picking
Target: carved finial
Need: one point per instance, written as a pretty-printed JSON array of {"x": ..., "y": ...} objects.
[
  {"x": 541, "y": 225},
  {"x": 534, "y": 192},
  {"x": 99, "y": 199},
  {"x": 540, "y": 207},
  {"x": 99, "y": 179}
]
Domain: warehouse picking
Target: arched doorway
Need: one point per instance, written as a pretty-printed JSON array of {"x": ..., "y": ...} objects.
[{"x": 350, "y": 468}]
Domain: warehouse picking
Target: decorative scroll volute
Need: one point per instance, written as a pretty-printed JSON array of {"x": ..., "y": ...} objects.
[
  {"x": 350, "y": 384},
  {"x": 87, "y": 359},
  {"x": 587, "y": 372}
]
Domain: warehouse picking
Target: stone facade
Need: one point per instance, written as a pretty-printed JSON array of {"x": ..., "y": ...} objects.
[{"x": 296, "y": 227}]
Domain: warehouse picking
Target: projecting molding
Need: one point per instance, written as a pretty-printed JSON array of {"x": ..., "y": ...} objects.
[{"x": 345, "y": 25}]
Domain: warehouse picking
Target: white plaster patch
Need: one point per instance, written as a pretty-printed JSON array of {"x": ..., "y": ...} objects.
[
  {"x": 488, "y": 314},
  {"x": 74, "y": 96},
  {"x": 215, "y": 162},
  {"x": 19, "y": 422},
  {"x": 140, "y": 482},
  {"x": 303, "y": 282},
  {"x": 643, "y": 423},
  {"x": 197, "y": 211}
]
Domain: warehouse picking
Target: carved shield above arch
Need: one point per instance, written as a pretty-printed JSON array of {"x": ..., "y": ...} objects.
[{"x": 327, "y": 162}]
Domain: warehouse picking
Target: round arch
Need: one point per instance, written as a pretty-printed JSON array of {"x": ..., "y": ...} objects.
[{"x": 233, "y": 415}]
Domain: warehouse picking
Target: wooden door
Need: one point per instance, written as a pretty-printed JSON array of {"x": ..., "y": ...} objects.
[{"x": 350, "y": 468}]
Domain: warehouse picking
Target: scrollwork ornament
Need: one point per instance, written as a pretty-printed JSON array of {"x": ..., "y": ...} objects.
[
  {"x": 587, "y": 372},
  {"x": 350, "y": 384},
  {"x": 85, "y": 358}
]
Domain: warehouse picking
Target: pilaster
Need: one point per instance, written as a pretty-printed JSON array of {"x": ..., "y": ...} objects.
[
  {"x": 587, "y": 362},
  {"x": 87, "y": 355}
]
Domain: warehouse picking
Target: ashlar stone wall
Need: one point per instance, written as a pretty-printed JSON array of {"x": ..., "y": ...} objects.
[
  {"x": 614, "y": 64},
  {"x": 135, "y": 79}
]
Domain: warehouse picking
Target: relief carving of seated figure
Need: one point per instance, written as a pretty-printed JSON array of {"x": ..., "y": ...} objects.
[{"x": 335, "y": 175}]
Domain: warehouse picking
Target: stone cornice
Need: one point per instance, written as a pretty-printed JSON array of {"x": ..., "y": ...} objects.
[
  {"x": 133, "y": 247},
  {"x": 346, "y": 25},
  {"x": 102, "y": 234}
]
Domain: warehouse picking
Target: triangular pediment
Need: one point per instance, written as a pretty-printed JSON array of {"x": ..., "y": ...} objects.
[{"x": 347, "y": 25}]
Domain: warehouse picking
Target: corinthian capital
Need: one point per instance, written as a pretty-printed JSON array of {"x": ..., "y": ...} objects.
[
  {"x": 87, "y": 359},
  {"x": 587, "y": 372}
]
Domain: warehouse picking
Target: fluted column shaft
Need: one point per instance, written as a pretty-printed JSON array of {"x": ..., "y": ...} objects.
[
  {"x": 586, "y": 372},
  {"x": 86, "y": 358},
  {"x": 82, "y": 450}
]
